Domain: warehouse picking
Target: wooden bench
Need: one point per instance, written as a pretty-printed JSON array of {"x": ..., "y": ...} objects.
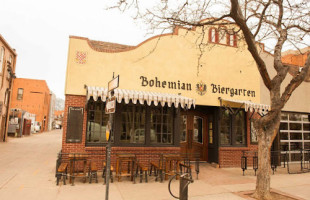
[
  {"x": 104, "y": 172},
  {"x": 62, "y": 171},
  {"x": 141, "y": 169},
  {"x": 158, "y": 170},
  {"x": 92, "y": 173}
]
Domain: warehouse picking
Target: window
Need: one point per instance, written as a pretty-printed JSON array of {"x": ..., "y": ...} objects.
[
  {"x": 232, "y": 128},
  {"x": 6, "y": 97},
  {"x": 1, "y": 57},
  {"x": 213, "y": 35},
  {"x": 137, "y": 125},
  {"x": 20, "y": 93},
  {"x": 223, "y": 36},
  {"x": 198, "y": 129},
  {"x": 183, "y": 129},
  {"x": 231, "y": 41},
  {"x": 96, "y": 122},
  {"x": 210, "y": 128},
  {"x": 254, "y": 139},
  {"x": 133, "y": 124},
  {"x": 294, "y": 133},
  {"x": 161, "y": 125}
]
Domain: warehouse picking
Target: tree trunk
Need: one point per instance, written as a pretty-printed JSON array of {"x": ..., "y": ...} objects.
[{"x": 264, "y": 169}]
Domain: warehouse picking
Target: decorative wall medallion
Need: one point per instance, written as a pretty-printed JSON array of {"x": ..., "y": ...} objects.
[
  {"x": 81, "y": 57},
  {"x": 201, "y": 88}
]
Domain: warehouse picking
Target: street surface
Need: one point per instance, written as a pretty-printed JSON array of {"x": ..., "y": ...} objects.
[{"x": 27, "y": 172}]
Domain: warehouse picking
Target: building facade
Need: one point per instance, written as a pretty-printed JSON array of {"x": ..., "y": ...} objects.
[
  {"x": 51, "y": 111},
  {"x": 7, "y": 73},
  {"x": 58, "y": 119},
  {"x": 171, "y": 98},
  {"x": 34, "y": 97},
  {"x": 294, "y": 133}
]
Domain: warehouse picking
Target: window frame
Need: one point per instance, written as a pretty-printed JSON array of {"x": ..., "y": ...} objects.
[
  {"x": 20, "y": 96},
  {"x": 2, "y": 52},
  {"x": 117, "y": 129},
  {"x": 289, "y": 141},
  {"x": 162, "y": 123},
  {"x": 88, "y": 110}
]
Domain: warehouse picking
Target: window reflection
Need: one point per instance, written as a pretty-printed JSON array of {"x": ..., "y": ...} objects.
[
  {"x": 198, "y": 129},
  {"x": 183, "y": 123},
  {"x": 161, "y": 125},
  {"x": 133, "y": 124},
  {"x": 96, "y": 123}
]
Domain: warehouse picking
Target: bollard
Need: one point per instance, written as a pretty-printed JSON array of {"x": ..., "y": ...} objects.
[
  {"x": 243, "y": 163},
  {"x": 255, "y": 163}
]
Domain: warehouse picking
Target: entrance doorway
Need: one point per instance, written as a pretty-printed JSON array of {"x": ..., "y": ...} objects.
[{"x": 194, "y": 139}]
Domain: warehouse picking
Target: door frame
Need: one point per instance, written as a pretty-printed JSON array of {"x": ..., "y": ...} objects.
[{"x": 189, "y": 146}]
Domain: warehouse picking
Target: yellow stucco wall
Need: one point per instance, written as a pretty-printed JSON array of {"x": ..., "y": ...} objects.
[
  {"x": 170, "y": 58},
  {"x": 299, "y": 100}
]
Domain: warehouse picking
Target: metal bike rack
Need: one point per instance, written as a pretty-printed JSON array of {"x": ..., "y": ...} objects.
[{"x": 184, "y": 182}]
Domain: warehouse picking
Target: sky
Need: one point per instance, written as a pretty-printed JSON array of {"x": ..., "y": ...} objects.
[{"x": 39, "y": 30}]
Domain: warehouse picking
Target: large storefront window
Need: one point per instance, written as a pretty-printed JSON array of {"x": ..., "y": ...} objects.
[
  {"x": 232, "y": 128},
  {"x": 133, "y": 124},
  {"x": 161, "y": 125},
  {"x": 294, "y": 133},
  {"x": 96, "y": 122}
]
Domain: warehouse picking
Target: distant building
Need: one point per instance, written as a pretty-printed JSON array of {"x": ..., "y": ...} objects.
[
  {"x": 34, "y": 97},
  {"x": 7, "y": 73},
  {"x": 59, "y": 104},
  {"x": 58, "y": 119},
  {"x": 297, "y": 58},
  {"x": 51, "y": 111}
]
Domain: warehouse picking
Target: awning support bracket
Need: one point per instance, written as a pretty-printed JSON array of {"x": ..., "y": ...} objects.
[{"x": 228, "y": 107}]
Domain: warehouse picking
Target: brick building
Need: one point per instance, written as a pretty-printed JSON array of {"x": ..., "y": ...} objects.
[
  {"x": 34, "y": 97},
  {"x": 297, "y": 58},
  {"x": 7, "y": 73},
  {"x": 167, "y": 101},
  {"x": 58, "y": 119}
]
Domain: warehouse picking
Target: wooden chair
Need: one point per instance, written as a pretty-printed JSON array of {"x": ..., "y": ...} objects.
[
  {"x": 104, "y": 172},
  {"x": 92, "y": 172},
  {"x": 141, "y": 170},
  {"x": 62, "y": 171},
  {"x": 157, "y": 167}
]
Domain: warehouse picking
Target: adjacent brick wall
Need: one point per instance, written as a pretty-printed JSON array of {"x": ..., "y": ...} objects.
[{"x": 74, "y": 101}]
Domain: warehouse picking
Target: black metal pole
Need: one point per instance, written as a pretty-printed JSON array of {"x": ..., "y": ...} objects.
[{"x": 109, "y": 152}]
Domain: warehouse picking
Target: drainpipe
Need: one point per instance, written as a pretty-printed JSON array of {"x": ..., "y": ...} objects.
[{"x": 12, "y": 76}]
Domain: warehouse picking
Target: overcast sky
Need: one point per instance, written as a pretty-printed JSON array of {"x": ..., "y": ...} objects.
[{"x": 39, "y": 31}]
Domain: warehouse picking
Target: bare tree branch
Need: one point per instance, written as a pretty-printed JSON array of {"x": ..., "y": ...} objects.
[{"x": 236, "y": 14}]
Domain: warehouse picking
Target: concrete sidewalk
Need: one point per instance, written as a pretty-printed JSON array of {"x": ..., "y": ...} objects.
[{"x": 27, "y": 171}]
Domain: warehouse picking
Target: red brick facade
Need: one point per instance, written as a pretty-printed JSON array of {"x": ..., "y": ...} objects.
[
  {"x": 228, "y": 156},
  {"x": 144, "y": 154}
]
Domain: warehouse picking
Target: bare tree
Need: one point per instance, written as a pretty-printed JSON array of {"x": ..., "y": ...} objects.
[{"x": 282, "y": 22}]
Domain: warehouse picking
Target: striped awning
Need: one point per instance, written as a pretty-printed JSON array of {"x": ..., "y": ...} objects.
[
  {"x": 141, "y": 97},
  {"x": 250, "y": 106}
]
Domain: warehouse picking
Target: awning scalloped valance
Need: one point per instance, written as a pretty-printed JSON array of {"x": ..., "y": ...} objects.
[
  {"x": 248, "y": 105},
  {"x": 141, "y": 97}
]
